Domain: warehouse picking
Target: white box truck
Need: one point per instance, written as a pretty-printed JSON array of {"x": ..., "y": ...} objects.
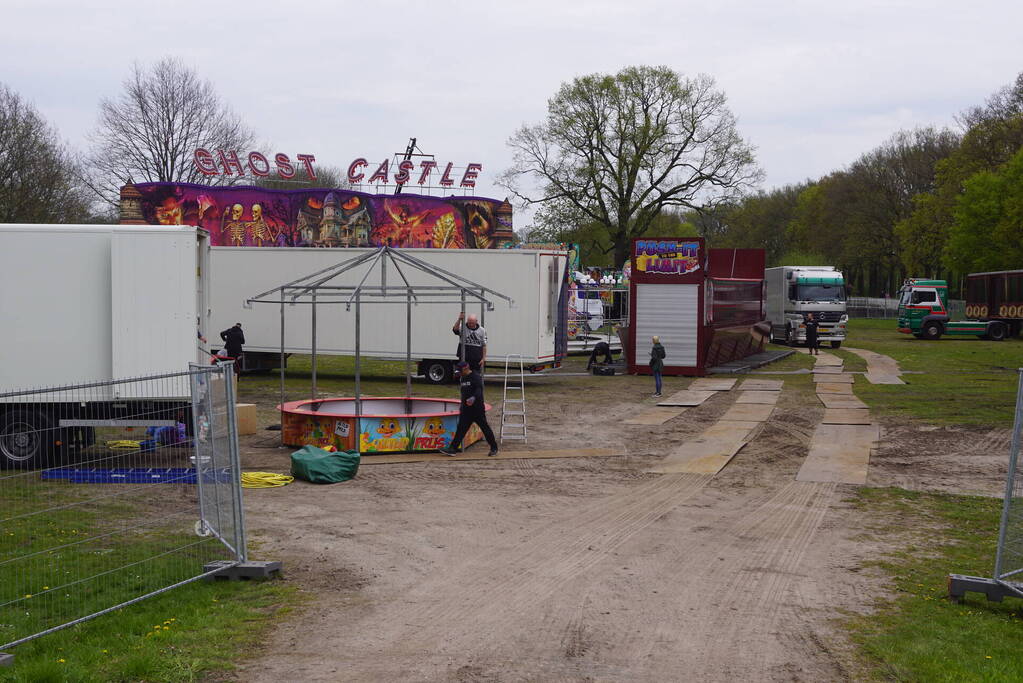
[
  {"x": 795, "y": 291},
  {"x": 85, "y": 304},
  {"x": 532, "y": 327}
]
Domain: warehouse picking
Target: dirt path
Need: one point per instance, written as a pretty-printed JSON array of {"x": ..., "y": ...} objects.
[{"x": 577, "y": 569}]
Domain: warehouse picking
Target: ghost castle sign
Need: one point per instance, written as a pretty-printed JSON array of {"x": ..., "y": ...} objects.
[
  {"x": 360, "y": 171},
  {"x": 246, "y": 216}
]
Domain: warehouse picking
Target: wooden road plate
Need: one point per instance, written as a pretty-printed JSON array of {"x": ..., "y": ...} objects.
[
  {"x": 878, "y": 378},
  {"x": 839, "y": 453},
  {"x": 840, "y": 401},
  {"x": 712, "y": 384},
  {"x": 708, "y": 453},
  {"x": 846, "y": 416},
  {"x": 761, "y": 397},
  {"x": 844, "y": 378},
  {"x": 686, "y": 398},
  {"x": 833, "y": 388},
  {"x": 761, "y": 385},
  {"x": 748, "y": 412},
  {"x": 479, "y": 452}
]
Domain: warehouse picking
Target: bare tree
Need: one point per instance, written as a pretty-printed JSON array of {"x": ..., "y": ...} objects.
[
  {"x": 39, "y": 179},
  {"x": 151, "y": 131},
  {"x": 618, "y": 150}
]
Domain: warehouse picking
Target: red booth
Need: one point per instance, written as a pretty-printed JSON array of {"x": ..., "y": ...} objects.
[{"x": 704, "y": 305}]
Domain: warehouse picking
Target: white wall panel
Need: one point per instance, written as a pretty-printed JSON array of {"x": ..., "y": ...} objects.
[{"x": 671, "y": 313}]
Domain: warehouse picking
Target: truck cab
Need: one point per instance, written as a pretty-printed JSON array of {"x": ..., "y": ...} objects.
[
  {"x": 923, "y": 312},
  {"x": 795, "y": 291}
]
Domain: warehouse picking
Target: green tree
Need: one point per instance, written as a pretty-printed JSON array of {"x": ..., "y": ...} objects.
[
  {"x": 618, "y": 150},
  {"x": 988, "y": 221},
  {"x": 39, "y": 176}
]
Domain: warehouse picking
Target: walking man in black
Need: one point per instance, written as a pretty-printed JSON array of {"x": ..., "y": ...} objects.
[
  {"x": 472, "y": 409},
  {"x": 233, "y": 339},
  {"x": 811, "y": 335}
]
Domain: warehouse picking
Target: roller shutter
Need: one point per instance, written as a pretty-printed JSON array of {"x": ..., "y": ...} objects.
[{"x": 671, "y": 313}]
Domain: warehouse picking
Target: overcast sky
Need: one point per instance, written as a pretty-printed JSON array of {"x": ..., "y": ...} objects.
[{"x": 814, "y": 84}]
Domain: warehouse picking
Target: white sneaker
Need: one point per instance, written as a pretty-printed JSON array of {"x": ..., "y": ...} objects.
[{"x": 657, "y": 395}]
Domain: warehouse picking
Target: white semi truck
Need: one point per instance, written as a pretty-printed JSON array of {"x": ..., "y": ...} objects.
[
  {"x": 531, "y": 328},
  {"x": 795, "y": 291},
  {"x": 86, "y": 304}
]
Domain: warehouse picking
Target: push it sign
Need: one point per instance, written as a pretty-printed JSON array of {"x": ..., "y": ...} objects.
[{"x": 667, "y": 257}]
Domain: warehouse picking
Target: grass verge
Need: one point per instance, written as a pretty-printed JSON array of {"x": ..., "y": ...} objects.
[
  {"x": 918, "y": 634},
  {"x": 952, "y": 381}
]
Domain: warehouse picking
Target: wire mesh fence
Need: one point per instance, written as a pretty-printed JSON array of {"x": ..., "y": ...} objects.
[
  {"x": 113, "y": 492},
  {"x": 1009, "y": 554},
  {"x": 887, "y": 307}
]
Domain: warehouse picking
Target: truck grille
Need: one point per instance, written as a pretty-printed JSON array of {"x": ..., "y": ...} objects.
[{"x": 828, "y": 316}]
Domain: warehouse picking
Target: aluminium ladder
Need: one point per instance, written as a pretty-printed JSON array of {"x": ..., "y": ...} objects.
[{"x": 515, "y": 407}]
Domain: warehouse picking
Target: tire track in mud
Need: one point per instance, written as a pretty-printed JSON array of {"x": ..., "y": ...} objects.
[
  {"x": 737, "y": 603},
  {"x": 477, "y": 607}
]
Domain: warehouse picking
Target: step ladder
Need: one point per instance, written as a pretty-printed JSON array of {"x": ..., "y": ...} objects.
[{"x": 513, "y": 413}]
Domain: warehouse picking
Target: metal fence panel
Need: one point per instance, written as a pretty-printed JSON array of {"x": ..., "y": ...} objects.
[
  {"x": 1009, "y": 554},
  {"x": 100, "y": 503}
]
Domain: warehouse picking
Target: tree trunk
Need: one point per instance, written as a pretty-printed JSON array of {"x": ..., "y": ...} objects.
[{"x": 622, "y": 247}]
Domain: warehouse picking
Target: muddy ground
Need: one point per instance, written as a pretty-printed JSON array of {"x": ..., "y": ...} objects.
[{"x": 589, "y": 568}]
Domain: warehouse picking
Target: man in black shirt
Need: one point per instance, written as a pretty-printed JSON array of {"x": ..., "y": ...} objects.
[
  {"x": 811, "y": 335},
  {"x": 233, "y": 339},
  {"x": 472, "y": 409}
]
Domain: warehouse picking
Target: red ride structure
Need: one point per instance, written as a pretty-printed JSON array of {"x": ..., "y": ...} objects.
[{"x": 705, "y": 305}]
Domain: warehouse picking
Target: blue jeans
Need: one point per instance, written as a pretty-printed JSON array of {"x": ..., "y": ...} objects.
[{"x": 657, "y": 380}]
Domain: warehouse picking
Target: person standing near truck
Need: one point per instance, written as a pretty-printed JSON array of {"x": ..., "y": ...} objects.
[
  {"x": 234, "y": 338},
  {"x": 657, "y": 356},
  {"x": 475, "y": 340},
  {"x": 811, "y": 335},
  {"x": 471, "y": 409}
]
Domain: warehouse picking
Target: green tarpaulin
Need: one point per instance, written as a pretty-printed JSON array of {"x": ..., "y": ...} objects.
[{"x": 323, "y": 467}]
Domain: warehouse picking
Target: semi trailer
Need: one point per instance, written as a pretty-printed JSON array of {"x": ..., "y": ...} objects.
[
  {"x": 924, "y": 312},
  {"x": 87, "y": 305}
]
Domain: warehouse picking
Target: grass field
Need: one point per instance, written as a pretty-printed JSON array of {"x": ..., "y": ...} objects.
[
  {"x": 965, "y": 381},
  {"x": 68, "y": 551},
  {"x": 918, "y": 634}
]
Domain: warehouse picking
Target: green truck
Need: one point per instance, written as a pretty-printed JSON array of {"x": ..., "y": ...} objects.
[{"x": 923, "y": 312}]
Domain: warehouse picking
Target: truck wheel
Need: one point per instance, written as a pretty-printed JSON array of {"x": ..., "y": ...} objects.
[
  {"x": 27, "y": 439},
  {"x": 931, "y": 331},
  {"x": 836, "y": 344},
  {"x": 996, "y": 332},
  {"x": 437, "y": 371}
]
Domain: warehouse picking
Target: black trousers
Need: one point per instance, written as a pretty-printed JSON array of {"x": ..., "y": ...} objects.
[
  {"x": 465, "y": 419},
  {"x": 600, "y": 348}
]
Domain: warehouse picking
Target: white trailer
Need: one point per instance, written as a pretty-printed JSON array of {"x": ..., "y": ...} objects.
[
  {"x": 90, "y": 304},
  {"x": 795, "y": 291},
  {"x": 530, "y": 328}
]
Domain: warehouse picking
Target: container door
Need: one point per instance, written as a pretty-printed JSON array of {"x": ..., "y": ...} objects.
[{"x": 671, "y": 313}]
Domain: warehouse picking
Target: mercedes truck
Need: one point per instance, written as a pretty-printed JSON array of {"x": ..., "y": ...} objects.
[{"x": 793, "y": 292}]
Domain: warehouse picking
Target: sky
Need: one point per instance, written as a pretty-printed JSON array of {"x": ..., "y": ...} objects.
[{"x": 813, "y": 84}]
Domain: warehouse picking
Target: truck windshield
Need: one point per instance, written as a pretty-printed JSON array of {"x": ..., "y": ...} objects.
[{"x": 820, "y": 293}]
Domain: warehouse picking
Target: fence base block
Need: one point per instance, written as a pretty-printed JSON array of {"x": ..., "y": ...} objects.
[
  {"x": 244, "y": 571},
  {"x": 959, "y": 585}
]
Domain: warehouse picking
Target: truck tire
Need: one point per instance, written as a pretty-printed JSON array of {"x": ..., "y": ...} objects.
[
  {"x": 931, "y": 330},
  {"x": 996, "y": 332},
  {"x": 836, "y": 344},
  {"x": 27, "y": 439},
  {"x": 437, "y": 371}
]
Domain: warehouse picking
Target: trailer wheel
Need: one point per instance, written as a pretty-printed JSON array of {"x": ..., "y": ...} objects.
[
  {"x": 931, "y": 331},
  {"x": 437, "y": 371},
  {"x": 27, "y": 439},
  {"x": 996, "y": 332},
  {"x": 836, "y": 344}
]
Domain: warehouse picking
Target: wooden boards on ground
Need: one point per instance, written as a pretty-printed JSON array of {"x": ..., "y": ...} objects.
[
  {"x": 654, "y": 416},
  {"x": 846, "y": 416},
  {"x": 709, "y": 452},
  {"x": 761, "y": 397},
  {"x": 712, "y": 384},
  {"x": 686, "y": 398},
  {"x": 839, "y": 453},
  {"x": 761, "y": 385}
]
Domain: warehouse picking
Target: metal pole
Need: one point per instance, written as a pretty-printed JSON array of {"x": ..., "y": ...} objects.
[
  {"x": 461, "y": 331},
  {"x": 483, "y": 324},
  {"x": 1010, "y": 478},
  {"x": 408, "y": 344},
  {"x": 282, "y": 368},
  {"x": 314, "y": 347},
  {"x": 358, "y": 362}
]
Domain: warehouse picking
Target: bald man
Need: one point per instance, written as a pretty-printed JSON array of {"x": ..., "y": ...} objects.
[{"x": 475, "y": 341}]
